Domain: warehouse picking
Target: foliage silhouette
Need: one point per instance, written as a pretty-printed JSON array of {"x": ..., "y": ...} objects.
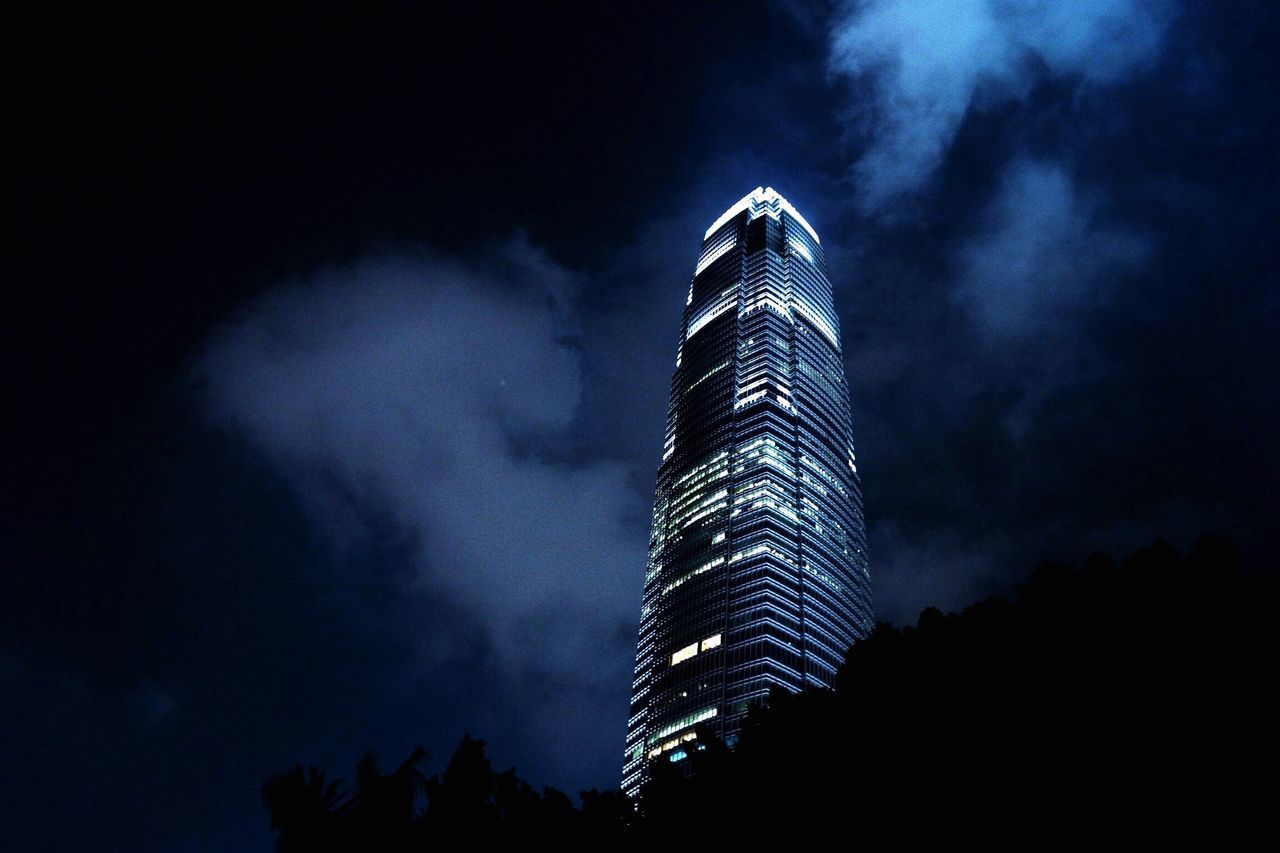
[
  {"x": 1120, "y": 698},
  {"x": 304, "y": 808}
]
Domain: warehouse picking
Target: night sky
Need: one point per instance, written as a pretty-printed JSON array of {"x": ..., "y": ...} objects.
[{"x": 338, "y": 350}]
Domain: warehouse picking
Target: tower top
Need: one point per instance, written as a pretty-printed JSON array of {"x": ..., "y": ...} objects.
[{"x": 762, "y": 201}]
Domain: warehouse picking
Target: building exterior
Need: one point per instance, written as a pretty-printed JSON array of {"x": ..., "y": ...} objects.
[{"x": 757, "y": 572}]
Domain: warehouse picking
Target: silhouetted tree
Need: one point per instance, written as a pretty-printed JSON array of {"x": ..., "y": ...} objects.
[
  {"x": 1121, "y": 697},
  {"x": 305, "y": 808},
  {"x": 463, "y": 796},
  {"x": 606, "y": 814},
  {"x": 383, "y": 813}
]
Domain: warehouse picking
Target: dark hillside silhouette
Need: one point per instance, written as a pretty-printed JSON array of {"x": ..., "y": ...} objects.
[{"x": 1133, "y": 698}]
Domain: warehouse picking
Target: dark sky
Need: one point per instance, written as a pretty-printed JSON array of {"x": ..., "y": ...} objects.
[{"x": 338, "y": 349}]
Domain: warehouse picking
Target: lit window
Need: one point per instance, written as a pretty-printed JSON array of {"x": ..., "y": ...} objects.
[
  {"x": 683, "y": 723},
  {"x": 684, "y": 654},
  {"x": 709, "y": 315},
  {"x": 800, "y": 249},
  {"x": 672, "y": 744},
  {"x": 711, "y": 256},
  {"x": 812, "y": 316},
  {"x": 711, "y": 642}
]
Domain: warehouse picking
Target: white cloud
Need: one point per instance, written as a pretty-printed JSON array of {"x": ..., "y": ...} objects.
[
  {"x": 1044, "y": 252},
  {"x": 926, "y": 63},
  {"x": 427, "y": 389}
]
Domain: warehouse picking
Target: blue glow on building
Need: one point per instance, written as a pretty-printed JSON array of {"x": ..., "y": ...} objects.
[{"x": 757, "y": 573}]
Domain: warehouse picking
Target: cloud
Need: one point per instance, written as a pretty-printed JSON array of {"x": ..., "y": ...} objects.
[
  {"x": 441, "y": 394},
  {"x": 1044, "y": 252},
  {"x": 926, "y": 63}
]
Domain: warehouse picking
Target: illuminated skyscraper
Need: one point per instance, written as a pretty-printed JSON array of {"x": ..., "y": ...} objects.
[{"x": 757, "y": 573}]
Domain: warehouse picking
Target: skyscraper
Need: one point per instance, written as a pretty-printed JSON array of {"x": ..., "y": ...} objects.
[{"x": 757, "y": 572}]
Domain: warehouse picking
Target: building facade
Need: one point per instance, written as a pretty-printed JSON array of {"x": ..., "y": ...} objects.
[{"x": 757, "y": 572}]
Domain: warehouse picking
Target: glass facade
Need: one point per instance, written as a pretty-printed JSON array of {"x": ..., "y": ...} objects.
[{"x": 757, "y": 572}]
